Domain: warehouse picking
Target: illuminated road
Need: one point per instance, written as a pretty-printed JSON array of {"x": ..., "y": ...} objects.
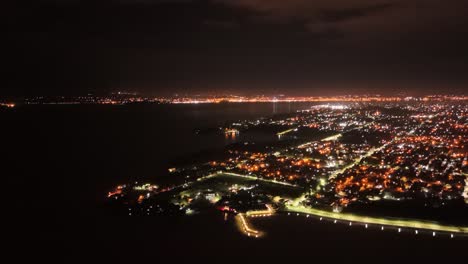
[
  {"x": 261, "y": 213},
  {"x": 403, "y": 223},
  {"x": 334, "y": 137},
  {"x": 358, "y": 160},
  {"x": 286, "y": 132},
  {"x": 253, "y": 177},
  {"x": 250, "y": 177},
  {"x": 245, "y": 227}
]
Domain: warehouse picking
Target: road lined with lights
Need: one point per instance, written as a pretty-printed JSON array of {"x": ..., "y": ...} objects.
[
  {"x": 400, "y": 223},
  {"x": 261, "y": 213},
  {"x": 286, "y": 132},
  {"x": 252, "y": 177},
  {"x": 244, "y": 226},
  {"x": 333, "y": 138}
]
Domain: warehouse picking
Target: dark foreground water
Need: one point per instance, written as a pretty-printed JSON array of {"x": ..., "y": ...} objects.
[{"x": 61, "y": 160}]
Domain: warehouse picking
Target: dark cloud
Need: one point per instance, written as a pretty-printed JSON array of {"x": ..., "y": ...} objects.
[
  {"x": 295, "y": 46},
  {"x": 338, "y": 15}
]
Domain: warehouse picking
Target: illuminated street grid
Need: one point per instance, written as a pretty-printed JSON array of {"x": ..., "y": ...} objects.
[{"x": 406, "y": 153}]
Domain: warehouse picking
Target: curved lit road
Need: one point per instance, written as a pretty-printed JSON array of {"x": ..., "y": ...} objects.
[{"x": 405, "y": 223}]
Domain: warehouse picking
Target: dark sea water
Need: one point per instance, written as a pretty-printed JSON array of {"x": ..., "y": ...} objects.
[{"x": 62, "y": 159}]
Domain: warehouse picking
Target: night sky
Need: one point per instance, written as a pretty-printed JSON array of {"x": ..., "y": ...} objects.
[{"x": 294, "y": 47}]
